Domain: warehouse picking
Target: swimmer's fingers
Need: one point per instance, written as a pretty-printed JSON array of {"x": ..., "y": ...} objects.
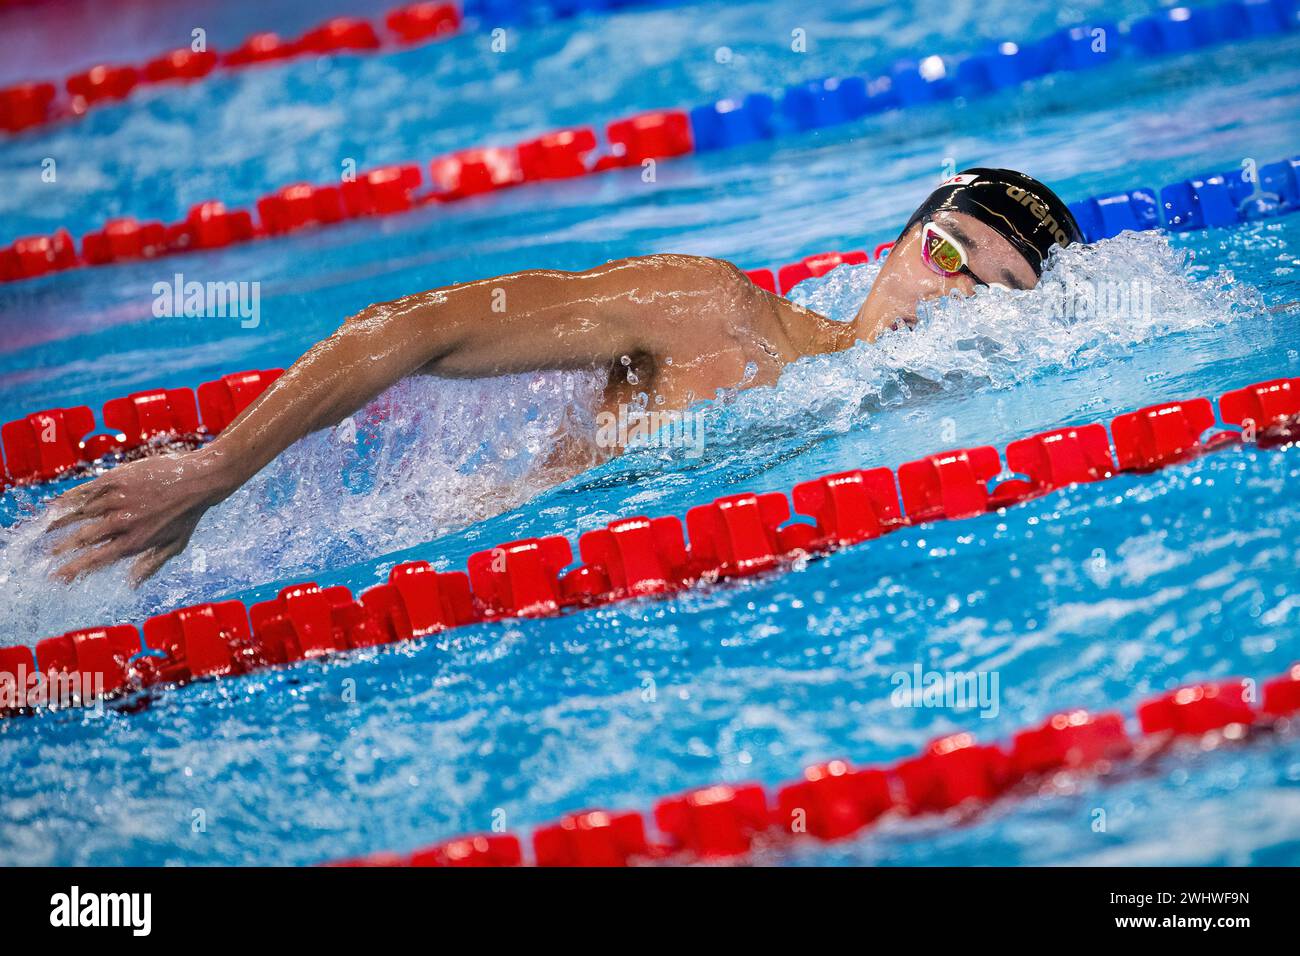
[
  {"x": 64, "y": 519},
  {"x": 93, "y": 559},
  {"x": 71, "y": 513},
  {"x": 77, "y": 504},
  {"x": 147, "y": 565},
  {"x": 93, "y": 531}
]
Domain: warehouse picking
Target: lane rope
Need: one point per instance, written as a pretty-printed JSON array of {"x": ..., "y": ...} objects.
[
  {"x": 27, "y": 105},
  {"x": 1217, "y": 199},
  {"x": 734, "y": 536},
  {"x": 836, "y": 800},
  {"x": 35, "y": 103}
]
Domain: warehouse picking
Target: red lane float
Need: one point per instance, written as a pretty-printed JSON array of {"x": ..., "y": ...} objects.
[
  {"x": 636, "y": 556},
  {"x": 183, "y": 65},
  {"x": 850, "y": 507},
  {"x": 1070, "y": 740},
  {"x": 298, "y": 206},
  {"x": 813, "y": 266},
  {"x": 123, "y": 239},
  {"x": 951, "y": 484},
  {"x": 951, "y": 771},
  {"x": 33, "y": 256},
  {"x": 301, "y": 623},
  {"x": 100, "y": 84},
  {"x": 485, "y": 850},
  {"x": 421, "y": 22},
  {"x": 143, "y": 416},
  {"x": 472, "y": 172},
  {"x": 1198, "y": 710},
  {"x": 739, "y": 535},
  {"x": 1282, "y": 694},
  {"x": 207, "y": 640},
  {"x": 658, "y": 134},
  {"x": 418, "y": 601},
  {"x": 1164, "y": 434},
  {"x": 788, "y": 276},
  {"x": 735, "y": 536},
  {"x": 220, "y": 402},
  {"x": 342, "y": 34},
  {"x": 51, "y": 444},
  {"x": 593, "y": 838},
  {"x": 262, "y": 47},
  {"x": 26, "y": 105},
  {"x": 562, "y": 154},
  {"x": 520, "y": 578},
  {"x": 716, "y": 821},
  {"x": 763, "y": 278},
  {"x": 479, "y": 851},
  {"x": 383, "y": 191},
  {"x": 96, "y": 659},
  {"x": 835, "y": 800},
  {"x": 1269, "y": 409},
  {"x": 210, "y": 225},
  {"x": 1056, "y": 459},
  {"x": 44, "y": 445}
]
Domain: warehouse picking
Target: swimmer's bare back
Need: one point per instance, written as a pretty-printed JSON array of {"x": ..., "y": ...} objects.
[{"x": 686, "y": 326}]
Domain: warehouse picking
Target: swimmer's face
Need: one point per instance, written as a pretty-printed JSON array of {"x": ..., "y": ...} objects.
[{"x": 905, "y": 280}]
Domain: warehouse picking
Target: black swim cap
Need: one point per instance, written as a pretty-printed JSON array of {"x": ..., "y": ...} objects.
[{"x": 1020, "y": 209}]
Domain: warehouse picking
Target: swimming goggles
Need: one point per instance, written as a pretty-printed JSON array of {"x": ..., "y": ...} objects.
[{"x": 944, "y": 254}]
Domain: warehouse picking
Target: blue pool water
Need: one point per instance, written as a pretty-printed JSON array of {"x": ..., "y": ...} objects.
[{"x": 1094, "y": 597}]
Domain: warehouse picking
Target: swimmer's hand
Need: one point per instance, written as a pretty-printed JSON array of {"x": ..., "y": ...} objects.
[{"x": 144, "y": 510}]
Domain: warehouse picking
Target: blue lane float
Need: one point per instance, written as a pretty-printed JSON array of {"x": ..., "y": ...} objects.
[
  {"x": 1209, "y": 201},
  {"x": 830, "y": 101}
]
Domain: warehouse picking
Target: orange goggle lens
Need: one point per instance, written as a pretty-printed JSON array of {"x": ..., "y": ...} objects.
[{"x": 943, "y": 254}]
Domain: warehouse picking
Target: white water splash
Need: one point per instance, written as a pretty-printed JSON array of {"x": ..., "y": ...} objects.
[
  {"x": 427, "y": 456},
  {"x": 996, "y": 338}
]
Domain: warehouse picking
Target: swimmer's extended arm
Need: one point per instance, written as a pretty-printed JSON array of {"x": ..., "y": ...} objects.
[{"x": 522, "y": 322}]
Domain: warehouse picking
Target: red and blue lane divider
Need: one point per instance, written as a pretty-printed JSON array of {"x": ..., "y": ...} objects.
[
  {"x": 836, "y": 800},
  {"x": 27, "y": 105},
  {"x": 59, "y": 442},
  {"x": 663, "y": 134},
  {"x": 735, "y": 536},
  {"x": 1213, "y": 200}
]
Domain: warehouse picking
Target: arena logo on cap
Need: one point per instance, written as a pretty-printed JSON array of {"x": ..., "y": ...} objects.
[
  {"x": 1039, "y": 212},
  {"x": 961, "y": 179}
]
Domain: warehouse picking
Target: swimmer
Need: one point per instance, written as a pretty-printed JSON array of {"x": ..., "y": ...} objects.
[{"x": 682, "y": 325}]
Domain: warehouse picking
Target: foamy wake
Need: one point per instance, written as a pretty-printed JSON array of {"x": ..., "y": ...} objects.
[{"x": 431, "y": 456}]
